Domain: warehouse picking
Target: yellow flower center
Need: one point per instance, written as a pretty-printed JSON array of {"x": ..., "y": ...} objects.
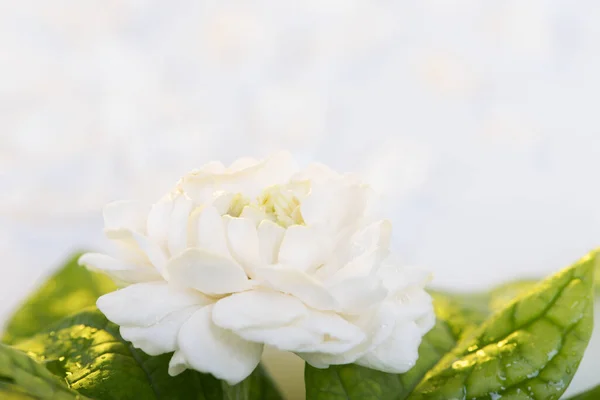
[
  {"x": 278, "y": 203},
  {"x": 281, "y": 203}
]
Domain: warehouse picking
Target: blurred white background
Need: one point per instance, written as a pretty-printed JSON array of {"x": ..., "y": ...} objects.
[{"x": 476, "y": 120}]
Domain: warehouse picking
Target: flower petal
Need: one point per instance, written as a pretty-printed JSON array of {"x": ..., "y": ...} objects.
[
  {"x": 243, "y": 163},
  {"x": 288, "y": 338},
  {"x": 399, "y": 278},
  {"x": 177, "y": 234},
  {"x": 161, "y": 337},
  {"x": 270, "y": 236},
  {"x": 301, "y": 248},
  {"x": 298, "y": 284},
  {"x": 243, "y": 242},
  {"x": 159, "y": 217},
  {"x": 211, "y": 232},
  {"x": 210, "y": 349},
  {"x": 207, "y": 272},
  {"x": 145, "y": 304},
  {"x": 138, "y": 247},
  {"x": 333, "y": 205},
  {"x": 398, "y": 353},
  {"x": 254, "y": 214},
  {"x": 365, "y": 265},
  {"x": 357, "y": 294},
  {"x": 377, "y": 234},
  {"x": 379, "y": 325},
  {"x": 154, "y": 252},
  {"x": 337, "y": 334},
  {"x": 128, "y": 214},
  {"x": 118, "y": 269},
  {"x": 316, "y": 172},
  {"x": 257, "y": 309},
  {"x": 178, "y": 364}
]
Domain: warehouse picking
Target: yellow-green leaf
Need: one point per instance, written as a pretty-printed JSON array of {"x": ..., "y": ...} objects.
[
  {"x": 87, "y": 351},
  {"x": 69, "y": 290},
  {"x": 530, "y": 349},
  {"x": 22, "y": 378}
]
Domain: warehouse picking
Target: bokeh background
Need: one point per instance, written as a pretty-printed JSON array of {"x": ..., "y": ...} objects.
[{"x": 476, "y": 120}]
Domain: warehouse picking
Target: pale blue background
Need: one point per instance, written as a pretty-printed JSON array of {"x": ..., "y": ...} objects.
[{"x": 476, "y": 120}]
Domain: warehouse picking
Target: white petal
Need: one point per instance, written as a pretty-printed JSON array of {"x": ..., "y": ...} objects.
[
  {"x": 288, "y": 338},
  {"x": 243, "y": 242},
  {"x": 213, "y": 167},
  {"x": 158, "y": 221},
  {"x": 311, "y": 335},
  {"x": 365, "y": 265},
  {"x": 207, "y": 272},
  {"x": 274, "y": 170},
  {"x": 211, "y": 232},
  {"x": 298, "y": 284},
  {"x": 178, "y": 225},
  {"x": 375, "y": 235},
  {"x": 118, "y": 269},
  {"x": 161, "y": 337},
  {"x": 334, "y": 208},
  {"x": 222, "y": 202},
  {"x": 257, "y": 309},
  {"x": 379, "y": 325},
  {"x": 145, "y": 304},
  {"x": 398, "y": 353},
  {"x": 412, "y": 304},
  {"x": 210, "y": 349},
  {"x": 200, "y": 188},
  {"x": 126, "y": 214},
  {"x": 301, "y": 248},
  {"x": 139, "y": 247},
  {"x": 254, "y": 214},
  {"x": 178, "y": 364},
  {"x": 338, "y": 335},
  {"x": 154, "y": 252},
  {"x": 398, "y": 277},
  {"x": 357, "y": 294},
  {"x": 316, "y": 172},
  {"x": 243, "y": 163},
  {"x": 270, "y": 236}
]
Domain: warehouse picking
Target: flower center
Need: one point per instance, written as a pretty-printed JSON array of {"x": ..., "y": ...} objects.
[
  {"x": 278, "y": 204},
  {"x": 281, "y": 204}
]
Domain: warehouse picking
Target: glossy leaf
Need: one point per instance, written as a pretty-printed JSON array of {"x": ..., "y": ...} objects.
[
  {"x": 22, "y": 378},
  {"x": 69, "y": 290},
  {"x": 530, "y": 349},
  {"x": 356, "y": 382},
  {"x": 88, "y": 352}
]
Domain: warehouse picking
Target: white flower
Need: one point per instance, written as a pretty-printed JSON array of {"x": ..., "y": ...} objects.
[{"x": 235, "y": 258}]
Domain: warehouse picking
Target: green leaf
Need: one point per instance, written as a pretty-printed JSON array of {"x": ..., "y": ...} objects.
[
  {"x": 23, "y": 378},
  {"x": 530, "y": 349},
  {"x": 591, "y": 394},
  {"x": 88, "y": 352},
  {"x": 69, "y": 290},
  {"x": 356, "y": 382},
  {"x": 470, "y": 306}
]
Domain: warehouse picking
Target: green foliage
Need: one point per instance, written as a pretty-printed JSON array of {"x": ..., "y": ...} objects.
[
  {"x": 87, "y": 351},
  {"x": 530, "y": 349},
  {"x": 23, "y": 378},
  {"x": 69, "y": 290}
]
